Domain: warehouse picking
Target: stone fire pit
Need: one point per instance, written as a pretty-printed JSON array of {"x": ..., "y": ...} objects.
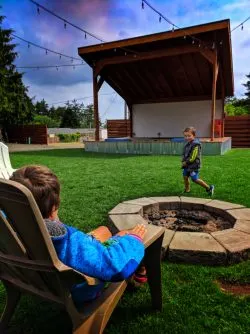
[{"x": 198, "y": 230}]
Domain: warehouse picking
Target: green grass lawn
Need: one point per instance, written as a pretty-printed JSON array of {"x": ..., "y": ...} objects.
[{"x": 92, "y": 184}]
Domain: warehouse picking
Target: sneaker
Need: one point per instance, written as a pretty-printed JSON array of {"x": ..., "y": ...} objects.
[
  {"x": 210, "y": 191},
  {"x": 185, "y": 191}
]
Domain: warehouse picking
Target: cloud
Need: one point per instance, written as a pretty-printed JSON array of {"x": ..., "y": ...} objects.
[
  {"x": 246, "y": 43},
  {"x": 237, "y": 5}
]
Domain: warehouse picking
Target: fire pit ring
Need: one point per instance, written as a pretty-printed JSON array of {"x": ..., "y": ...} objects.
[{"x": 230, "y": 243}]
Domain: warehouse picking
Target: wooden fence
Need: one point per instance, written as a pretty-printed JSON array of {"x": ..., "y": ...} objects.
[
  {"x": 28, "y": 134},
  {"x": 118, "y": 128},
  {"x": 238, "y": 127}
]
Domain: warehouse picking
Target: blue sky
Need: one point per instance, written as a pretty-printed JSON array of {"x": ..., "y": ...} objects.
[{"x": 110, "y": 20}]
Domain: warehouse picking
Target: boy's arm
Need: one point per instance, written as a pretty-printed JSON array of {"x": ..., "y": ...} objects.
[
  {"x": 193, "y": 154},
  {"x": 114, "y": 260}
]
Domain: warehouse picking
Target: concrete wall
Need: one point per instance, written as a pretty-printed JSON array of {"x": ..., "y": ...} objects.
[{"x": 171, "y": 118}]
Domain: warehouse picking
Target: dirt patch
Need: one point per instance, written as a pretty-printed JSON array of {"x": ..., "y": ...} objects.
[
  {"x": 188, "y": 221},
  {"x": 234, "y": 288}
]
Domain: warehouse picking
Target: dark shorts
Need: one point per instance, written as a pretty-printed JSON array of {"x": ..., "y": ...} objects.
[{"x": 194, "y": 175}]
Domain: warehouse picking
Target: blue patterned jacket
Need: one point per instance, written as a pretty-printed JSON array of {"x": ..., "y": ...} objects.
[{"x": 111, "y": 261}]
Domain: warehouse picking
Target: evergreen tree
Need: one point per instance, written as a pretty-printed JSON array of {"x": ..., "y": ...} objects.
[
  {"x": 41, "y": 108},
  {"x": 15, "y": 105},
  {"x": 247, "y": 85},
  {"x": 72, "y": 116}
]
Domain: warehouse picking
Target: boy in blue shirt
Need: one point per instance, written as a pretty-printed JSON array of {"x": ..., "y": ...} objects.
[
  {"x": 191, "y": 161},
  {"x": 97, "y": 254}
]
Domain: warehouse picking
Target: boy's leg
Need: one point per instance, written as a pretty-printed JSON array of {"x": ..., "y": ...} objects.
[
  {"x": 101, "y": 233},
  {"x": 186, "y": 175},
  {"x": 195, "y": 178},
  {"x": 202, "y": 183},
  {"x": 186, "y": 184}
]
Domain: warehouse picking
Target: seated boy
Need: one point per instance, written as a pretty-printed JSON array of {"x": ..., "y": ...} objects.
[{"x": 97, "y": 254}]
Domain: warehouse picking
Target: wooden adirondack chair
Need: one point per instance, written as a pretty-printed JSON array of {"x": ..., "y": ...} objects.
[
  {"x": 6, "y": 169},
  {"x": 29, "y": 264}
]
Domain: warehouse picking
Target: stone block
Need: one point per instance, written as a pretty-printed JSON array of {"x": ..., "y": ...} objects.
[
  {"x": 242, "y": 225},
  {"x": 126, "y": 209},
  {"x": 223, "y": 205},
  {"x": 168, "y": 202},
  {"x": 237, "y": 243},
  {"x": 199, "y": 248},
  {"x": 127, "y": 221},
  {"x": 240, "y": 213},
  {"x": 149, "y": 205},
  {"x": 193, "y": 203}
]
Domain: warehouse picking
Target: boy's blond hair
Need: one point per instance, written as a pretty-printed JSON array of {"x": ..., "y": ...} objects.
[
  {"x": 43, "y": 184},
  {"x": 190, "y": 129}
]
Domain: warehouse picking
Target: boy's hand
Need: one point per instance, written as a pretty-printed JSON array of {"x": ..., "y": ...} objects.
[
  {"x": 139, "y": 230},
  {"x": 184, "y": 164}
]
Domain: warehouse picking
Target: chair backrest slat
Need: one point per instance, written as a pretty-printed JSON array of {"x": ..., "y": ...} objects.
[
  {"x": 6, "y": 158},
  {"x": 23, "y": 235},
  {"x": 10, "y": 244},
  {"x": 28, "y": 224}
]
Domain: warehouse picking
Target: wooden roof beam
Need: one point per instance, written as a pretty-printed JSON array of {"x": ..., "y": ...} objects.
[
  {"x": 135, "y": 41},
  {"x": 99, "y": 83},
  {"x": 145, "y": 56},
  {"x": 210, "y": 55}
]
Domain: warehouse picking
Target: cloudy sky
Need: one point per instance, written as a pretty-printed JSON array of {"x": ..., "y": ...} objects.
[{"x": 110, "y": 20}]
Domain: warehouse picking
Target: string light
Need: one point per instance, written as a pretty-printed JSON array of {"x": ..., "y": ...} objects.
[
  {"x": 75, "y": 26},
  {"x": 142, "y": 5},
  {"x": 194, "y": 39},
  {"x": 38, "y": 10},
  {"x": 160, "y": 18},
  {"x": 48, "y": 66},
  {"x": 65, "y": 25},
  {"x": 85, "y": 35},
  {"x": 81, "y": 98},
  {"x": 66, "y": 21},
  {"x": 241, "y": 24},
  {"x": 46, "y": 51},
  {"x": 43, "y": 48}
]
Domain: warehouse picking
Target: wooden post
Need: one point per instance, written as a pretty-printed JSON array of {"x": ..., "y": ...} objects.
[
  {"x": 96, "y": 113},
  {"x": 215, "y": 75},
  {"x": 125, "y": 110},
  {"x": 131, "y": 119},
  {"x": 223, "y": 105}
]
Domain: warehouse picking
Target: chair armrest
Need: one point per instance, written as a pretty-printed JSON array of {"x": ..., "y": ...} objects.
[{"x": 153, "y": 233}]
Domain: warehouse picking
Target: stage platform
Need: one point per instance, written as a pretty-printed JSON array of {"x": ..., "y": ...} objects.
[{"x": 157, "y": 146}]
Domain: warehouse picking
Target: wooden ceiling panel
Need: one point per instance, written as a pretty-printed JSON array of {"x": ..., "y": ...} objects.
[{"x": 165, "y": 66}]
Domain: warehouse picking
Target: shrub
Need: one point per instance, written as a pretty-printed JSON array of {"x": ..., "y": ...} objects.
[{"x": 67, "y": 138}]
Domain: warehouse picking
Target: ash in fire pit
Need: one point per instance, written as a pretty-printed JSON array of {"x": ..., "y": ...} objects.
[{"x": 188, "y": 221}]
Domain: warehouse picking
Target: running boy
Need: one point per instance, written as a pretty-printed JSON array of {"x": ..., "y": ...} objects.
[
  {"x": 191, "y": 161},
  {"x": 97, "y": 254}
]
